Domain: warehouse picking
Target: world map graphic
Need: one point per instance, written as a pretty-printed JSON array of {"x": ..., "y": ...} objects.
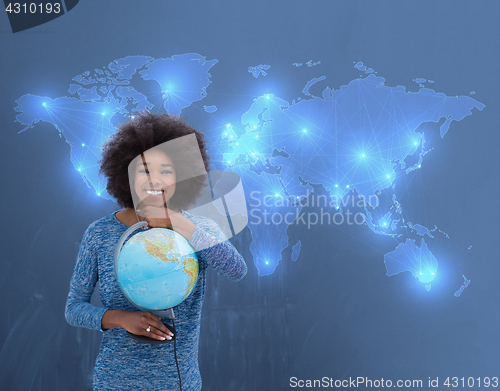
[{"x": 358, "y": 144}]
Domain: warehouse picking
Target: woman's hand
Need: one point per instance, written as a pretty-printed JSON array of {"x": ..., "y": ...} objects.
[
  {"x": 161, "y": 217},
  {"x": 157, "y": 217},
  {"x": 136, "y": 322}
]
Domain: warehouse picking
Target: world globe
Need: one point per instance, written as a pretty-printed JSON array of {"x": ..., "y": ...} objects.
[{"x": 157, "y": 269}]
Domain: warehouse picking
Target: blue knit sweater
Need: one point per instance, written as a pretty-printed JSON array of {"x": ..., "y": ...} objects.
[{"x": 124, "y": 364}]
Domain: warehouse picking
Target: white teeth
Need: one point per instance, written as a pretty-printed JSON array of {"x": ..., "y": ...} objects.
[{"x": 151, "y": 192}]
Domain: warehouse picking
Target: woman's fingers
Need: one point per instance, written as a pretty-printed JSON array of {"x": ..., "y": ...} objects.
[
  {"x": 157, "y": 334},
  {"x": 155, "y": 217},
  {"x": 158, "y": 223},
  {"x": 158, "y": 329}
]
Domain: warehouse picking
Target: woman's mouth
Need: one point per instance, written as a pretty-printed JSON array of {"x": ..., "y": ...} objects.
[{"x": 154, "y": 192}]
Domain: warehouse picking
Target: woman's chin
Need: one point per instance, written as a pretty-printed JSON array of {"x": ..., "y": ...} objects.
[{"x": 153, "y": 201}]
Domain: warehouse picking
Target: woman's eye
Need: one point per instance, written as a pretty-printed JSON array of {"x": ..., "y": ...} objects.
[{"x": 168, "y": 172}]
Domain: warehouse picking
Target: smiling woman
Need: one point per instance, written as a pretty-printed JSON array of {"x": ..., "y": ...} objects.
[
  {"x": 154, "y": 174},
  {"x": 142, "y": 133},
  {"x": 154, "y": 178}
]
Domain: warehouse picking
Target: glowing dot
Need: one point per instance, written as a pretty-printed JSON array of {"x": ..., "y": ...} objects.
[
  {"x": 236, "y": 143},
  {"x": 419, "y": 166},
  {"x": 229, "y": 161},
  {"x": 267, "y": 263},
  {"x": 385, "y": 223},
  {"x": 305, "y": 130},
  {"x": 228, "y": 125},
  {"x": 133, "y": 116},
  {"x": 253, "y": 153},
  {"x": 347, "y": 186},
  {"x": 276, "y": 194},
  {"x": 363, "y": 155},
  {"x": 83, "y": 145},
  {"x": 98, "y": 194},
  {"x": 78, "y": 169},
  {"x": 336, "y": 185},
  {"x": 415, "y": 143},
  {"x": 267, "y": 97},
  {"x": 257, "y": 136},
  {"x": 102, "y": 113},
  {"x": 225, "y": 134},
  {"x": 44, "y": 103},
  {"x": 388, "y": 176},
  {"x": 432, "y": 273},
  {"x": 420, "y": 273},
  {"x": 255, "y": 127},
  {"x": 231, "y": 136}
]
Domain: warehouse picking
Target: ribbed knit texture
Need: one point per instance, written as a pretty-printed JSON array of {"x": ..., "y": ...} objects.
[{"x": 124, "y": 364}]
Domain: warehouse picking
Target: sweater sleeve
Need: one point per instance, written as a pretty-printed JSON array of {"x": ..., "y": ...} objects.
[
  {"x": 212, "y": 245},
  {"x": 79, "y": 312}
]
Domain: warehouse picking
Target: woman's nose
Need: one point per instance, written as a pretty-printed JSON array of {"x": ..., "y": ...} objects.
[{"x": 155, "y": 178}]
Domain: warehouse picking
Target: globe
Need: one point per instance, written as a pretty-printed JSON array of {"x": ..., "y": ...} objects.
[{"x": 157, "y": 269}]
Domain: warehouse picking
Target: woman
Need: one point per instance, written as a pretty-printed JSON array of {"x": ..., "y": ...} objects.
[{"x": 122, "y": 363}]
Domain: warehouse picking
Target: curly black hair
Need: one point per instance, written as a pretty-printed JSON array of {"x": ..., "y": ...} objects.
[{"x": 144, "y": 131}]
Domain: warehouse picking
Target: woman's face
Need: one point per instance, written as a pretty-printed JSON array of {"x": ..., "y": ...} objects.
[{"x": 154, "y": 179}]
